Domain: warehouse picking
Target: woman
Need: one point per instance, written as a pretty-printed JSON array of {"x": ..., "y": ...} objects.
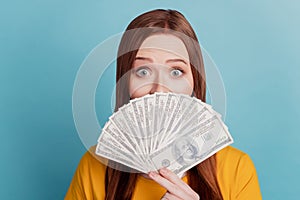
[{"x": 159, "y": 52}]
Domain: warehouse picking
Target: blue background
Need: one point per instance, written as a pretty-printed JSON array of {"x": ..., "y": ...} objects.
[{"x": 255, "y": 45}]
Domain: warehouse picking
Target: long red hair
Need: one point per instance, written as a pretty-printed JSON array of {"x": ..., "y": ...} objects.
[{"x": 202, "y": 178}]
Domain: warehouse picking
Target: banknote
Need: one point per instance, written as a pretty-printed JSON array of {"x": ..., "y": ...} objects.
[
  {"x": 113, "y": 133},
  {"x": 159, "y": 104},
  {"x": 172, "y": 101},
  {"x": 192, "y": 148},
  {"x": 139, "y": 119},
  {"x": 163, "y": 130},
  {"x": 122, "y": 122},
  {"x": 111, "y": 151},
  {"x": 149, "y": 118}
]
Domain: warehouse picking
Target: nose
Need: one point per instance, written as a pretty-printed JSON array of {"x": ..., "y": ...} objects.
[
  {"x": 158, "y": 87},
  {"x": 159, "y": 83}
]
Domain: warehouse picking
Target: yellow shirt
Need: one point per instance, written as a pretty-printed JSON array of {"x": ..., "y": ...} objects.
[{"x": 235, "y": 172}]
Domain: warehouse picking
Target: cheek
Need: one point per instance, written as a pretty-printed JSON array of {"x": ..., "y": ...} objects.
[
  {"x": 141, "y": 87},
  {"x": 182, "y": 86}
]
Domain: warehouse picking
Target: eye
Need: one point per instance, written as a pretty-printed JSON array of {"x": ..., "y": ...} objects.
[
  {"x": 176, "y": 72},
  {"x": 143, "y": 72}
]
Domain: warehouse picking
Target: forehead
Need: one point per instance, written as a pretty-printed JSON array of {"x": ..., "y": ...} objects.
[{"x": 164, "y": 42}]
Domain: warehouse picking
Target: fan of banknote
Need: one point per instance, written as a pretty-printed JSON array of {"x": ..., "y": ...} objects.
[{"x": 162, "y": 130}]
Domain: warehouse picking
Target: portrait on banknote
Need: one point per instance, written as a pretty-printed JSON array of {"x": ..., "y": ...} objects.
[{"x": 185, "y": 150}]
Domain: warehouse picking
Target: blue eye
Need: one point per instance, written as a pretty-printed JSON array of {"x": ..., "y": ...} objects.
[
  {"x": 176, "y": 73},
  {"x": 143, "y": 72}
]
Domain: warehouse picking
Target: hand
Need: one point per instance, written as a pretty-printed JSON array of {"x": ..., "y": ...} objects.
[{"x": 176, "y": 188}]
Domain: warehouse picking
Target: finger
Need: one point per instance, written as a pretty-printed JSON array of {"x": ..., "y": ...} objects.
[
  {"x": 169, "y": 186},
  {"x": 172, "y": 177},
  {"x": 169, "y": 196}
]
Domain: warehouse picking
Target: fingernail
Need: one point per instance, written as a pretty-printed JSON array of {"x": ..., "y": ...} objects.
[
  {"x": 152, "y": 174},
  {"x": 163, "y": 170}
]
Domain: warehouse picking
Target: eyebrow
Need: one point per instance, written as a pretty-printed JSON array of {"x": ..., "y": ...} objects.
[
  {"x": 168, "y": 61},
  {"x": 177, "y": 60},
  {"x": 143, "y": 58}
]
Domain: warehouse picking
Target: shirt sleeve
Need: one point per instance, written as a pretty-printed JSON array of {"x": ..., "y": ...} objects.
[
  {"x": 247, "y": 185},
  {"x": 76, "y": 188},
  {"x": 89, "y": 179}
]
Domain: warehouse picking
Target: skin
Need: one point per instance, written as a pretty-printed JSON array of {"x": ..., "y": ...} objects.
[
  {"x": 177, "y": 189},
  {"x": 162, "y": 65}
]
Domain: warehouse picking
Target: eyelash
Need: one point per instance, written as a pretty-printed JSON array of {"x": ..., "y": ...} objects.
[
  {"x": 149, "y": 70},
  {"x": 178, "y": 68},
  {"x": 142, "y": 68}
]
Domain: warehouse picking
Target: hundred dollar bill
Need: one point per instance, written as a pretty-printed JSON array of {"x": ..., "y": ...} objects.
[
  {"x": 129, "y": 115},
  {"x": 184, "y": 104},
  {"x": 202, "y": 114},
  {"x": 112, "y": 151},
  {"x": 124, "y": 140},
  {"x": 194, "y": 114},
  {"x": 148, "y": 114},
  {"x": 209, "y": 107},
  {"x": 169, "y": 107},
  {"x": 140, "y": 119},
  {"x": 188, "y": 109},
  {"x": 144, "y": 133},
  {"x": 120, "y": 119},
  {"x": 192, "y": 148},
  {"x": 133, "y": 112},
  {"x": 159, "y": 103}
]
